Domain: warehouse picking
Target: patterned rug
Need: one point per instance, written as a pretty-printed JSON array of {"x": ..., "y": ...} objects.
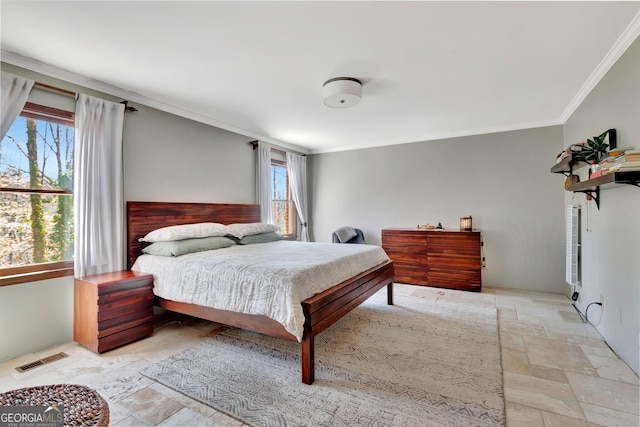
[{"x": 417, "y": 363}]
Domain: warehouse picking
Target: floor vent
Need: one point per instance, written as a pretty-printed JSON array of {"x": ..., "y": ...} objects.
[{"x": 44, "y": 361}]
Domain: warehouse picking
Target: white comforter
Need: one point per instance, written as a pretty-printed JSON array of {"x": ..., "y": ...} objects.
[{"x": 269, "y": 279}]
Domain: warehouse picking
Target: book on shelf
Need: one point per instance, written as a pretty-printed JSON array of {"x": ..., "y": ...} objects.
[
  {"x": 622, "y": 167},
  {"x": 617, "y": 153},
  {"x": 609, "y": 162},
  {"x": 630, "y": 166},
  {"x": 620, "y": 150}
]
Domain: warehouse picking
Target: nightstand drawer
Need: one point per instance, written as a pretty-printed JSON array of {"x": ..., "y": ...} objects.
[
  {"x": 111, "y": 327},
  {"x": 124, "y": 286},
  {"x": 132, "y": 298},
  {"x": 110, "y": 318},
  {"x": 124, "y": 337},
  {"x": 142, "y": 306}
]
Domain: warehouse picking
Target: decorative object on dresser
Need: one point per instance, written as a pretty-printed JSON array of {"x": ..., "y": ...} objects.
[
  {"x": 430, "y": 257},
  {"x": 112, "y": 309},
  {"x": 466, "y": 223}
]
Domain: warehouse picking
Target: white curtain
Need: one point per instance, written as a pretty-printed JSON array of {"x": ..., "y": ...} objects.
[
  {"x": 297, "y": 169},
  {"x": 97, "y": 187},
  {"x": 263, "y": 182},
  {"x": 15, "y": 91}
]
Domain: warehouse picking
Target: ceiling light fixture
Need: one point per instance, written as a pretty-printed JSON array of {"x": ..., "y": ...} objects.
[{"x": 342, "y": 92}]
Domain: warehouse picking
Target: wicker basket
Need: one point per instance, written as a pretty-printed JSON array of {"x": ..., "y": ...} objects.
[{"x": 82, "y": 406}]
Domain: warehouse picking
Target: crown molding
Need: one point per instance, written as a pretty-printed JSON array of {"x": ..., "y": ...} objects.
[
  {"x": 627, "y": 37},
  {"x": 450, "y": 135},
  {"x": 109, "y": 89}
]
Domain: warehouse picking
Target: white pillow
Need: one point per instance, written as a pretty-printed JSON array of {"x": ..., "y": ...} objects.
[
  {"x": 186, "y": 231},
  {"x": 249, "y": 229}
]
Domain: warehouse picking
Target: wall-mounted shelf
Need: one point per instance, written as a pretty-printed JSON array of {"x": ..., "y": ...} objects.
[
  {"x": 567, "y": 165},
  {"x": 607, "y": 181},
  {"x": 592, "y": 187}
]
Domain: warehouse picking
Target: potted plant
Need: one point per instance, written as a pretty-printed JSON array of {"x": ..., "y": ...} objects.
[{"x": 594, "y": 150}]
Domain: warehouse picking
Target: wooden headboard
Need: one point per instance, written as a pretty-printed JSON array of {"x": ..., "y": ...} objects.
[{"x": 143, "y": 217}]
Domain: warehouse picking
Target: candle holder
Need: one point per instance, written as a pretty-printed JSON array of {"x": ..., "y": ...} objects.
[{"x": 465, "y": 223}]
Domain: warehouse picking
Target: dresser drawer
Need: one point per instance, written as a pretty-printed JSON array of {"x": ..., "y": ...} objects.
[
  {"x": 452, "y": 243},
  {"x": 455, "y": 260},
  {"x": 410, "y": 274},
  {"x": 408, "y": 257},
  {"x": 457, "y": 278},
  {"x": 404, "y": 237}
]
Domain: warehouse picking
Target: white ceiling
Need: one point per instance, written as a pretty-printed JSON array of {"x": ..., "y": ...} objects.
[{"x": 430, "y": 69}]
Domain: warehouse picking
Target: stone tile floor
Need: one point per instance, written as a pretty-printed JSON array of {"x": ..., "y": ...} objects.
[{"x": 557, "y": 370}]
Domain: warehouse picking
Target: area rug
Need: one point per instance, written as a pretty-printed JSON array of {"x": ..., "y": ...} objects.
[{"x": 417, "y": 363}]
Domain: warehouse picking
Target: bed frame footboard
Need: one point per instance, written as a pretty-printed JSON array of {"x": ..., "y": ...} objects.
[
  {"x": 324, "y": 309},
  {"x": 321, "y": 311}
]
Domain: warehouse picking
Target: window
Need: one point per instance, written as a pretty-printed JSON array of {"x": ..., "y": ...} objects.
[
  {"x": 36, "y": 204},
  {"x": 284, "y": 211}
]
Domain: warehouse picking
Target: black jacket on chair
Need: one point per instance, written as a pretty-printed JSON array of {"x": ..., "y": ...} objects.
[{"x": 358, "y": 238}]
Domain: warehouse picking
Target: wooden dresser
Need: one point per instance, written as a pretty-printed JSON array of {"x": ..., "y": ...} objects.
[
  {"x": 443, "y": 258},
  {"x": 112, "y": 309}
]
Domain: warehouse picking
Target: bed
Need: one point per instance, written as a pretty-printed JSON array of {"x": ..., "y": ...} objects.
[{"x": 320, "y": 310}]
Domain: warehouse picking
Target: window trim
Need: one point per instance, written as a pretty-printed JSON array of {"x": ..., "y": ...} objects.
[
  {"x": 45, "y": 270},
  {"x": 50, "y": 114},
  {"x": 35, "y": 272}
]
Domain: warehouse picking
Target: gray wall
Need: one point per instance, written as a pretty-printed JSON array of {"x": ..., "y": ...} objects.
[
  {"x": 611, "y": 235},
  {"x": 166, "y": 158},
  {"x": 501, "y": 179},
  {"x": 169, "y": 158}
]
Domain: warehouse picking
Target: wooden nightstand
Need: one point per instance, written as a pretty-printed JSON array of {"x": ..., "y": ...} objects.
[{"x": 112, "y": 309}]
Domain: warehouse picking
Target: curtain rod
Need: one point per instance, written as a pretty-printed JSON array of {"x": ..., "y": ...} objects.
[
  {"x": 55, "y": 89},
  {"x": 254, "y": 144},
  {"x": 74, "y": 94}
]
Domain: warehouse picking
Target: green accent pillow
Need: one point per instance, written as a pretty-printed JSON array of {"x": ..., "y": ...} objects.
[
  {"x": 240, "y": 230},
  {"x": 259, "y": 238},
  {"x": 188, "y": 246}
]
